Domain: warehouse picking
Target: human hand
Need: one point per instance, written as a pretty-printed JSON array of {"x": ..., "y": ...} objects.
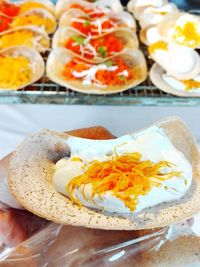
[{"x": 15, "y": 224}]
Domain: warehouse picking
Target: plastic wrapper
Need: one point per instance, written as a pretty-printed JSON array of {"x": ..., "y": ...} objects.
[{"x": 54, "y": 245}]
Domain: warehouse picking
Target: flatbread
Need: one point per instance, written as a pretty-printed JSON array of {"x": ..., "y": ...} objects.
[
  {"x": 156, "y": 73},
  {"x": 59, "y": 57},
  {"x": 30, "y": 181}
]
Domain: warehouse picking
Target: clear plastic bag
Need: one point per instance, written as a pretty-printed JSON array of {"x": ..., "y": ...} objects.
[{"x": 67, "y": 246}]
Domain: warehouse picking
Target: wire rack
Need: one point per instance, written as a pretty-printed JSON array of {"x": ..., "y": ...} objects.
[{"x": 47, "y": 92}]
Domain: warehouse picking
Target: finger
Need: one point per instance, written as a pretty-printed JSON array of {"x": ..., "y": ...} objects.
[
  {"x": 5, "y": 195},
  {"x": 96, "y": 132},
  {"x": 12, "y": 232}
]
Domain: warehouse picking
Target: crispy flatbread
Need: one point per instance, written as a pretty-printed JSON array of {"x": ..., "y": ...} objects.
[
  {"x": 156, "y": 73},
  {"x": 33, "y": 164}
]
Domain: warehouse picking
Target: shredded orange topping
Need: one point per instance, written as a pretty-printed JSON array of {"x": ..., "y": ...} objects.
[
  {"x": 102, "y": 76},
  {"x": 187, "y": 35},
  {"x": 191, "y": 84},
  {"x": 17, "y": 38},
  {"x": 34, "y": 19},
  {"x": 14, "y": 71},
  {"x": 160, "y": 45},
  {"x": 127, "y": 177},
  {"x": 26, "y": 6},
  {"x": 21, "y": 37}
]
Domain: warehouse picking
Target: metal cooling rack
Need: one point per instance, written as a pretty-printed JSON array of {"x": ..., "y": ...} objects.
[{"x": 47, "y": 92}]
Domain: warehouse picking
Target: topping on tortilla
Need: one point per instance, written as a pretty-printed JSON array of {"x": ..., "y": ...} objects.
[
  {"x": 102, "y": 47},
  {"x": 160, "y": 45},
  {"x": 112, "y": 72},
  {"x": 14, "y": 71},
  {"x": 127, "y": 177},
  {"x": 33, "y": 19},
  {"x": 95, "y": 27}
]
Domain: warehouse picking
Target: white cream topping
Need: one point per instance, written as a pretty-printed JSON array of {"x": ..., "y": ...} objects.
[
  {"x": 177, "y": 59},
  {"x": 152, "y": 143},
  {"x": 152, "y": 35},
  {"x": 179, "y": 85}
]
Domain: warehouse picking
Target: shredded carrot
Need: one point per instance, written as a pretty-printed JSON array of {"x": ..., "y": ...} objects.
[
  {"x": 9, "y": 9},
  {"x": 92, "y": 13},
  {"x": 105, "y": 77},
  {"x": 104, "y": 46},
  {"x": 88, "y": 28},
  {"x": 160, "y": 45},
  {"x": 187, "y": 35},
  {"x": 127, "y": 177}
]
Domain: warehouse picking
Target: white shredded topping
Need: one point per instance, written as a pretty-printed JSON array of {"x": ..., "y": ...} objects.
[
  {"x": 89, "y": 75},
  {"x": 123, "y": 73}
]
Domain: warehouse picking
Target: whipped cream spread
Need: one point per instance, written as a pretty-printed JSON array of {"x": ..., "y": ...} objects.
[
  {"x": 176, "y": 59},
  {"x": 182, "y": 85},
  {"x": 152, "y": 143},
  {"x": 152, "y": 35}
]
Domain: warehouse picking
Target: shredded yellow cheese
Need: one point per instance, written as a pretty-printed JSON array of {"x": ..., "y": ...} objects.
[
  {"x": 187, "y": 35},
  {"x": 14, "y": 72},
  {"x": 160, "y": 45},
  {"x": 32, "y": 20},
  {"x": 23, "y": 37},
  {"x": 30, "y": 5},
  {"x": 127, "y": 177},
  {"x": 191, "y": 84}
]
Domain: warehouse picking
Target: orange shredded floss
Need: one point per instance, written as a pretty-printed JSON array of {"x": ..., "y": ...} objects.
[
  {"x": 126, "y": 176},
  {"x": 190, "y": 33},
  {"x": 191, "y": 84},
  {"x": 160, "y": 45}
]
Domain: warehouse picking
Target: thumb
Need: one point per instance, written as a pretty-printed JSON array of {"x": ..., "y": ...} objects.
[{"x": 6, "y": 198}]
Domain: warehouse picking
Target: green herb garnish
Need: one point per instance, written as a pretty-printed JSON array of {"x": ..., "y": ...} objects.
[
  {"x": 103, "y": 51},
  {"x": 78, "y": 39},
  {"x": 123, "y": 78},
  {"x": 109, "y": 63},
  {"x": 87, "y": 23}
]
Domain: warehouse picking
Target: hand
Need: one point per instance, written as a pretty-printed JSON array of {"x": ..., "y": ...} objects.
[{"x": 16, "y": 225}]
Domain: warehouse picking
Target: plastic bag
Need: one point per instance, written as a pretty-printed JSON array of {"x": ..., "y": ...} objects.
[{"x": 67, "y": 246}]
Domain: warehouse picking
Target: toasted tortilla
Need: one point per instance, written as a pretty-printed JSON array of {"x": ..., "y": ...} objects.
[
  {"x": 40, "y": 45},
  {"x": 64, "y": 5},
  {"x": 127, "y": 36},
  {"x": 33, "y": 164},
  {"x": 44, "y": 13},
  {"x": 125, "y": 18},
  {"x": 36, "y": 62},
  {"x": 60, "y": 56},
  {"x": 156, "y": 73}
]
